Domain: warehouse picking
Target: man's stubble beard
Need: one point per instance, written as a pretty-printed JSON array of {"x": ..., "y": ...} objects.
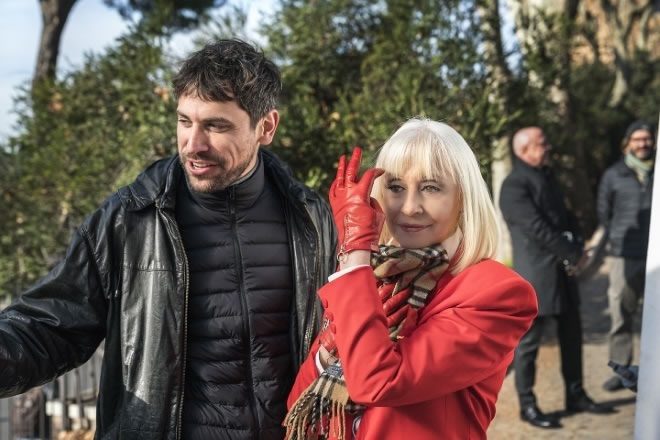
[
  {"x": 644, "y": 155},
  {"x": 216, "y": 183}
]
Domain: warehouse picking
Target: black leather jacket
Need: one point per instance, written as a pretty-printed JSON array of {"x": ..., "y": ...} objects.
[{"x": 125, "y": 279}]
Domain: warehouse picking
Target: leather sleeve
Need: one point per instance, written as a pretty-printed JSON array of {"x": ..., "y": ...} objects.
[
  {"x": 54, "y": 326},
  {"x": 329, "y": 240}
]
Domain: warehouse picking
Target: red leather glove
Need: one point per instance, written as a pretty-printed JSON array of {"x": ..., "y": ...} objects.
[
  {"x": 358, "y": 216},
  {"x": 399, "y": 313},
  {"x": 395, "y": 307},
  {"x": 326, "y": 337}
]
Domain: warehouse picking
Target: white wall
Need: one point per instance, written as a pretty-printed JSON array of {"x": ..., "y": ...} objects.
[{"x": 647, "y": 416}]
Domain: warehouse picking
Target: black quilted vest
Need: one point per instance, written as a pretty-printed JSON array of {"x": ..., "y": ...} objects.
[{"x": 239, "y": 362}]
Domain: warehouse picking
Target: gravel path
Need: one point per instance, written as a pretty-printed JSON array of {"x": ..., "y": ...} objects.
[{"x": 550, "y": 387}]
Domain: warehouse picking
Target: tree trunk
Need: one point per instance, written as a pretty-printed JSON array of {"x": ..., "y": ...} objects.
[
  {"x": 499, "y": 79},
  {"x": 550, "y": 24},
  {"x": 500, "y": 168},
  {"x": 54, "y": 14},
  {"x": 628, "y": 23}
]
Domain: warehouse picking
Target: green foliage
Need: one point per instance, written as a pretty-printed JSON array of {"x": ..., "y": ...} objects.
[
  {"x": 644, "y": 94},
  {"x": 352, "y": 70},
  {"x": 231, "y": 22},
  {"x": 355, "y": 70},
  {"x": 570, "y": 100},
  {"x": 79, "y": 139},
  {"x": 165, "y": 15},
  {"x": 599, "y": 128}
]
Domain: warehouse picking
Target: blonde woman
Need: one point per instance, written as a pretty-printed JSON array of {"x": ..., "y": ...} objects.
[{"x": 420, "y": 323}]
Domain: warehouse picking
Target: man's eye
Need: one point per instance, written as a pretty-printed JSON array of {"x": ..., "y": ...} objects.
[{"x": 217, "y": 127}]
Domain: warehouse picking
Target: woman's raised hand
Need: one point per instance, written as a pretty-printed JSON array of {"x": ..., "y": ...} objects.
[{"x": 358, "y": 216}]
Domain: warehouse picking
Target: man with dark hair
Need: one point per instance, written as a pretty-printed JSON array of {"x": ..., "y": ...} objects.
[
  {"x": 547, "y": 250},
  {"x": 624, "y": 209},
  {"x": 201, "y": 275}
]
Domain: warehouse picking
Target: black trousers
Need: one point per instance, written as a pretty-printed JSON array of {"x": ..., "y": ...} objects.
[{"x": 569, "y": 334}]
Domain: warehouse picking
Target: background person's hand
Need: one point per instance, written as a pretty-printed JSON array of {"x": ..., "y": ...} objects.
[
  {"x": 575, "y": 269},
  {"x": 582, "y": 262},
  {"x": 358, "y": 216}
]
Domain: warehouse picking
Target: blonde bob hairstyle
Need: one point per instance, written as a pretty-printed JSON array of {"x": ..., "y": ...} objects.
[{"x": 433, "y": 150}]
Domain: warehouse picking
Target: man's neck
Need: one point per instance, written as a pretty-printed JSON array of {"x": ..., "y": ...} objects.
[{"x": 244, "y": 191}]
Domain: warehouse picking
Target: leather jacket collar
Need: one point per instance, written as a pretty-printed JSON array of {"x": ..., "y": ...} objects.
[
  {"x": 244, "y": 193},
  {"x": 157, "y": 184}
]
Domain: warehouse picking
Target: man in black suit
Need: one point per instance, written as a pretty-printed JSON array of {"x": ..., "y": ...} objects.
[{"x": 547, "y": 250}]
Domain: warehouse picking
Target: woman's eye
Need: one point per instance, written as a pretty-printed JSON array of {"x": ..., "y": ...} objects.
[
  {"x": 395, "y": 188},
  {"x": 431, "y": 188}
]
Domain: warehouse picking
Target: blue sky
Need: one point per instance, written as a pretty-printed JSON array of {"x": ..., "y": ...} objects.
[{"x": 90, "y": 27}]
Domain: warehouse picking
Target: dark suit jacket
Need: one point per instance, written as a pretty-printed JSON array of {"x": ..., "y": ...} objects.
[{"x": 533, "y": 206}]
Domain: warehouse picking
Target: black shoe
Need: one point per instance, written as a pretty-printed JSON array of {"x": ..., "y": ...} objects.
[
  {"x": 613, "y": 384},
  {"x": 533, "y": 415},
  {"x": 580, "y": 402}
]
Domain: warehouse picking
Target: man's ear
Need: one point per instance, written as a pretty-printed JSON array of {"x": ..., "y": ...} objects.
[{"x": 268, "y": 127}]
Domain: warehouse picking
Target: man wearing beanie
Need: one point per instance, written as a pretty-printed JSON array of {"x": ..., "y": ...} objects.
[{"x": 624, "y": 209}]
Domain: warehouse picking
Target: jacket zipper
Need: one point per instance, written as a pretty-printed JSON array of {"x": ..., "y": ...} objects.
[
  {"x": 179, "y": 242},
  {"x": 244, "y": 308}
]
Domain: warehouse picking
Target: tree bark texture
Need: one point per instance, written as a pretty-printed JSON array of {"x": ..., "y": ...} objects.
[
  {"x": 629, "y": 23},
  {"x": 499, "y": 79},
  {"x": 551, "y": 24},
  {"x": 54, "y": 14}
]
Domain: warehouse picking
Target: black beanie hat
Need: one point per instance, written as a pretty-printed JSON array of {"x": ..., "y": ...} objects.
[{"x": 637, "y": 125}]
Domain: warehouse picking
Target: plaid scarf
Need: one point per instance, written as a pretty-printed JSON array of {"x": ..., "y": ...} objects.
[{"x": 322, "y": 407}]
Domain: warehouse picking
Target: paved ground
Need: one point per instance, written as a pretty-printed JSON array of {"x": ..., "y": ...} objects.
[{"x": 549, "y": 385}]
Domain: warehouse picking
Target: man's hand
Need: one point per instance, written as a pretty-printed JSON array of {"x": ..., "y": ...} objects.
[
  {"x": 575, "y": 269},
  {"x": 584, "y": 259},
  {"x": 358, "y": 217}
]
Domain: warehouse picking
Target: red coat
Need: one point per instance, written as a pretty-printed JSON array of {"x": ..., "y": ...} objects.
[{"x": 442, "y": 379}]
